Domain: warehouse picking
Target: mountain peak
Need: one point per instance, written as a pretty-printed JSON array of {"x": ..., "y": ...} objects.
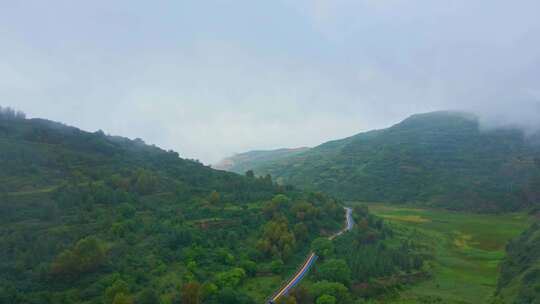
[{"x": 440, "y": 158}]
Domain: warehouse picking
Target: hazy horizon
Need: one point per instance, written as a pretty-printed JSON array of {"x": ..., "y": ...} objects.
[{"x": 212, "y": 78}]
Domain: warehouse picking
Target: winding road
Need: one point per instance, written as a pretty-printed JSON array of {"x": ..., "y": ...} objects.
[
  {"x": 348, "y": 222},
  {"x": 303, "y": 270}
]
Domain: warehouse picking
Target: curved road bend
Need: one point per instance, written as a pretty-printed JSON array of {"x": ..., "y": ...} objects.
[
  {"x": 349, "y": 223},
  {"x": 310, "y": 260}
]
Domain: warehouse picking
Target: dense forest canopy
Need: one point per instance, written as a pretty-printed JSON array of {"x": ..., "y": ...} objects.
[
  {"x": 441, "y": 159},
  {"x": 92, "y": 218}
]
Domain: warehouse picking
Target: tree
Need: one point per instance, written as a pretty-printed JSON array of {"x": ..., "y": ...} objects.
[
  {"x": 65, "y": 264},
  {"x": 9, "y": 113},
  {"x": 361, "y": 211},
  {"x": 326, "y": 299},
  {"x": 277, "y": 204},
  {"x": 277, "y": 266},
  {"x": 119, "y": 287},
  {"x": 191, "y": 293},
  {"x": 148, "y": 296},
  {"x": 208, "y": 290},
  {"x": 301, "y": 231},
  {"x": 323, "y": 247},
  {"x": 304, "y": 211},
  {"x": 86, "y": 256},
  {"x": 337, "y": 290},
  {"x": 118, "y": 182},
  {"x": 91, "y": 253},
  {"x": 250, "y": 174},
  {"x": 290, "y": 300},
  {"x": 4, "y": 193},
  {"x": 231, "y": 278},
  {"x": 281, "y": 200},
  {"x": 249, "y": 266},
  {"x": 230, "y": 296},
  {"x": 302, "y": 295},
  {"x": 214, "y": 198},
  {"x": 8, "y": 294},
  {"x": 145, "y": 182},
  {"x": 335, "y": 270},
  {"x": 121, "y": 298},
  {"x": 277, "y": 241}
]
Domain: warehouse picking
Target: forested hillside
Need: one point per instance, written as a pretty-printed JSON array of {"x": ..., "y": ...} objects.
[
  {"x": 92, "y": 218},
  {"x": 519, "y": 282},
  {"x": 440, "y": 159}
]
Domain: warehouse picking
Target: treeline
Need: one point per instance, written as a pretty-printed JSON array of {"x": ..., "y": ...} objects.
[{"x": 9, "y": 113}]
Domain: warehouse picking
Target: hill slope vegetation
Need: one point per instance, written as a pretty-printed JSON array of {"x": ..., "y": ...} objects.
[
  {"x": 91, "y": 218},
  {"x": 442, "y": 159}
]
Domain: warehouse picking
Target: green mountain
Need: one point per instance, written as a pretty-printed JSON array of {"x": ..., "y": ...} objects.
[
  {"x": 441, "y": 159},
  {"x": 242, "y": 162},
  {"x": 519, "y": 282},
  {"x": 91, "y": 218}
]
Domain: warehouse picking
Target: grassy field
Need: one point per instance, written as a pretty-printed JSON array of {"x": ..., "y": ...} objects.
[{"x": 467, "y": 250}]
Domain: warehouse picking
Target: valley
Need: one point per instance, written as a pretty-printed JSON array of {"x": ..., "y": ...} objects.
[
  {"x": 270, "y": 152},
  {"x": 93, "y": 218}
]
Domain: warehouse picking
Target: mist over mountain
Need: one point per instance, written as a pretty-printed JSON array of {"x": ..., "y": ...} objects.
[
  {"x": 441, "y": 159},
  {"x": 242, "y": 162},
  {"x": 209, "y": 80}
]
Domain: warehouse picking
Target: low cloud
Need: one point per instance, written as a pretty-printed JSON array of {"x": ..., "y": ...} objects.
[{"x": 212, "y": 80}]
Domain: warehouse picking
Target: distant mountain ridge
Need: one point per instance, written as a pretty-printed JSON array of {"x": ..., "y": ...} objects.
[
  {"x": 242, "y": 162},
  {"x": 440, "y": 159}
]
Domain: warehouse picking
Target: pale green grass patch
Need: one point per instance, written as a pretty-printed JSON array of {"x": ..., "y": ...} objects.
[{"x": 467, "y": 249}]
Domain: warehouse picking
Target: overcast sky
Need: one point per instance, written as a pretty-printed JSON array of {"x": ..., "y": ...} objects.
[{"x": 212, "y": 78}]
